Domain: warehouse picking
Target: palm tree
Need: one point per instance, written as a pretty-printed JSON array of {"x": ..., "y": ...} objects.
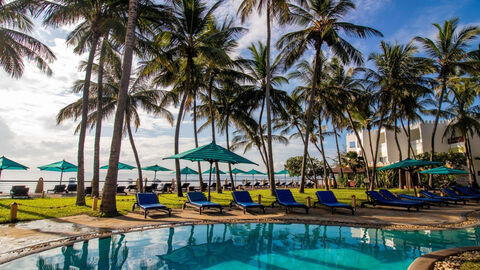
[
  {"x": 466, "y": 115},
  {"x": 320, "y": 19},
  {"x": 108, "y": 204},
  {"x": 256, "y": 67},
  {"x": 93, "y": 16},
  {"x": 399, "y": 74},
  {"x": 16, "y": 43},
  {"x": 179, "y": 47},
  {"x": 448, "y": 51},
  {"x": 275, "y": 9},
  {"x": 139, "y": 95}
]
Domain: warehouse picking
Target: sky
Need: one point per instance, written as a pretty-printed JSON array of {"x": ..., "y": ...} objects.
[{"x": 28, "y": 106}]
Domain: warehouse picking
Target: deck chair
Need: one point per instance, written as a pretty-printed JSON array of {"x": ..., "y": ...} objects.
[
  {"x": 422, "y": 199},
  {"x": 286, "y": 199},
  {"x": 327, "y": 198},
  {"x": 375, "y": 198},
  {"x": 466, "y": 192},
  {"x": 72, "y": 188},
  {"x": 19, "y": 192},
  {"x": 149, "y": 201},
  {"x": 121, "y": 189},
  {"x": 243, "y": 200},
  {"x": 199, "y": 201},
  {"x": 390, "y": 196},
  {"x": 452, "y": 193},
  {"x": 88, "y": 191},
  {"x": 167, "y": 187},
  {"x": 435, "y": 196},
  {"x": 58, "y": 189}
]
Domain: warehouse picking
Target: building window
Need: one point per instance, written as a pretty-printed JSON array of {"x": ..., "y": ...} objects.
[{"x": 352, "y": 144}]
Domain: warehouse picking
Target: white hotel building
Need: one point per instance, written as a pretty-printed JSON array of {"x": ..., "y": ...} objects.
[{"x": 421, "y": 134}]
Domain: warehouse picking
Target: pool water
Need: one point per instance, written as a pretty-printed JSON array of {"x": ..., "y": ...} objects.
[{"x": 251, "y": 246}]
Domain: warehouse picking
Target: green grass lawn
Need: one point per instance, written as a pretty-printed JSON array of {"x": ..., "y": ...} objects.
[
  {"x": 472, "y": 265},
  {"x": 38, "y": 208}
]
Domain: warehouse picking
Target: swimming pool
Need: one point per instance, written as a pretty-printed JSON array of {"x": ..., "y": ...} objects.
[{"x": 251, "y": 246}]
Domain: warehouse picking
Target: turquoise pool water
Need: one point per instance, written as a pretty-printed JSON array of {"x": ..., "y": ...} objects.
[{"x": 251, "y": 246}]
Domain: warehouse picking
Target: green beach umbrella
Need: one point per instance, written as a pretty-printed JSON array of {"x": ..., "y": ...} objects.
[
  {"x": 237, "y": 171},
  {"x": 444, "y": 170},
  {"x": 121, "y": 166},
  {"x": 408, "y": 164},
  {"x": 284, "y": 172},
  {"x": 156, "y": 168},
  {"x": 211, "y": 153},
  {"x": 186, "y": 171},
  {"x": 213, "y": 171},
  {"x": 253, "y": 172},
  {"x": 60, "y": 166},
  {"x": 8, "y": 164}
]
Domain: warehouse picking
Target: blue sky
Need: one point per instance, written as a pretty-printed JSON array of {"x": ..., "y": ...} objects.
[{"x": 28, "y": 105}]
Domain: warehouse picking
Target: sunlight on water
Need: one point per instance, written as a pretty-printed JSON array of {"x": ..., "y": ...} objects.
[{"x": 251, "y": 246}]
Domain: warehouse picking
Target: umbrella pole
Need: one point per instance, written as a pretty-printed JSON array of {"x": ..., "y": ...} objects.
[
  {"x": 209, "y": 180},
  {"x": 155, "y": 177},
  {"x": 61, "y": 176},
  {"x": 0, "y": 173}
]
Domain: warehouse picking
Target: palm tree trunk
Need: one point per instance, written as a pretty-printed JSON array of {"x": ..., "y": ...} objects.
[
  {"x": 177, "y": 136},
  {"x": 311, "y": 101},
  {"x": 83, "y": 126},
  {"x": 355, "y": 131},
  {"x": 108, "y": 204},
  {"x": 270, "y": 169},
  {"x": 262, "y": 141},
  {"x": 400, "y": 171},
  {"x": 435, "y": 124},
  {"x": 309, "y": 157},
  {"x": 195, "y": 133},
  {"x": 320, "y": 139},
  {"x": 468, "y": 151},
  {"x": 371, "y": 153},
  {"x": 98, "y": 128},
  {"x": 377, "y": 144},
  {"x": 338, "y": 151},
  {"x": 212, "y": 119},
  {"x": 228, "y": 148},
  {"x": 135, "y": 154}
]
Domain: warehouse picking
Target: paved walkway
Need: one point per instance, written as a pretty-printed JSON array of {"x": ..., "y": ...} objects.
[{"x": 27, "y": 237}]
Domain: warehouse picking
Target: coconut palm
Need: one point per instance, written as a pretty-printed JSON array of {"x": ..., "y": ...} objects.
[
  {"x": 465, "y": 114},
  {"x": 16, "y": 43},
  {"x": 399, "y": 74},
  {"x": 321, "y": 22},
  {"x": 275, "y": 9},
  {"x": 179, "y": 48},
  {"x": 140, "y": 96},
  {"x": 448, "y": 51},
  {"x": 108, "y": 204},
  {"x": 256, "y": 68},
  {"x": 92, "y": 18}
]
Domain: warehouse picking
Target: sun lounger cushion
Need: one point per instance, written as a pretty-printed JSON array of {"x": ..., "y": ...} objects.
[
  {"x": 199, "y": 199},
  {"x": 328, "y": 198},
  {"x": 435, "y": 196},
  {"x": 149, "y": 201},
  {"x": 243, "y": 198},
  {"x": 285, "y": 197},
  {"x": 379, "y": 198},
  {"x": 409, "y": 197},
  {"x": 452, "y": 193},
  {"x": 466, "y": 192}
]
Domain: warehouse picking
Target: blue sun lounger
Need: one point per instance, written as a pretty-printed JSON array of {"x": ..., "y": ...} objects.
[
  {"x": 467, "y": 192},
  {"x": 435, "y": 196},
  {"x": 285, "y": 199},
  {"x": 149, "y": 201},
  {"x": 425, "y": 200},
  {"x": 452, "y": 193},
  {"x": 199, "y": 201},
  {"x": 243, "y": 200},
  {"x": 327, "y": 198},
  {"x": 390, "y": 196},
  {"x": 375, "y": 198}
]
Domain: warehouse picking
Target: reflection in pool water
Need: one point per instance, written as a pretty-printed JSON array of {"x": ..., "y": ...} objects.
[{"x": 251, "y": 246}]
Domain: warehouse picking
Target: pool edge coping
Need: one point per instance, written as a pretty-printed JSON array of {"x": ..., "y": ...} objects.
[
  {"x": 427, "y": 261},
  {"x": 470, "y": 219}
]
